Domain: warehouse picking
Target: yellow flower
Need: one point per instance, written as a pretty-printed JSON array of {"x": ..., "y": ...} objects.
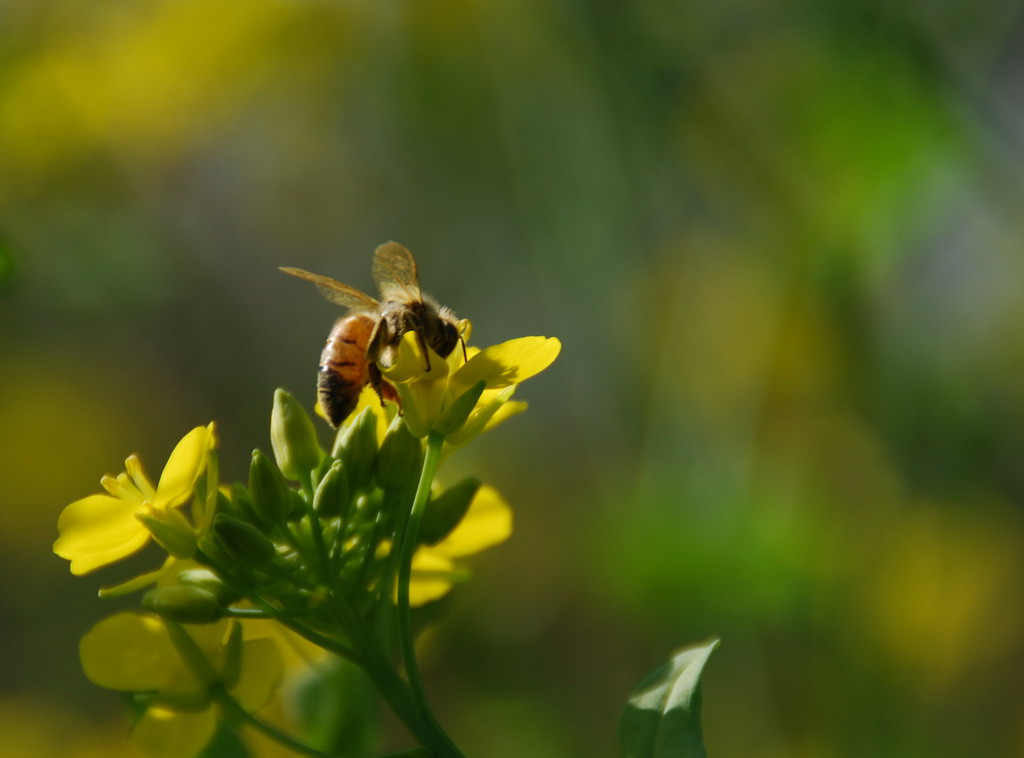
[
  {"x": 134, "y": 652},
  {"x": 487, "y": 522},
  {"x": 429, "y": 394},
  {"x": 102, "y": 529}
]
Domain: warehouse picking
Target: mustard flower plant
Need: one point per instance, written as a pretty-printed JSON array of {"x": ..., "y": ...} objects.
[{"x": 329, "y": 554}]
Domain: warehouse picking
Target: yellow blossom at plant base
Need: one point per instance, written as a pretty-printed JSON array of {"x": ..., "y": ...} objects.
[
  {"x": 427, "y": 393},
  {"x": 133, "y": 652},
  {"x": 487, "y": 522},
  {"x": 102, "y": 529}
]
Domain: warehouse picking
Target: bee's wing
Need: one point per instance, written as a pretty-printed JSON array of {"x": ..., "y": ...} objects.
[
  {"x": 394, "y": 270},
  {"x": 335, "y": 291}
]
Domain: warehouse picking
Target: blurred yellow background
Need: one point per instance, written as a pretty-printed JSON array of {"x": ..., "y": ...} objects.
[{"x": 781, "y": 244}]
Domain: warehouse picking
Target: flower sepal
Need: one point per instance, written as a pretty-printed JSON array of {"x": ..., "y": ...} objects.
[
  {"x": 444, "y": 512},
  {"x": 456, "y": 414},
  {"x": 172, "y": 532}
]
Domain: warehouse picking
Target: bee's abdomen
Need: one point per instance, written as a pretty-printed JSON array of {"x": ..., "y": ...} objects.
[{"x": 344, "y": 368}]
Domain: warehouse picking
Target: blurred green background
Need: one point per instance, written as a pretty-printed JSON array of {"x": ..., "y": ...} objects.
[{"x": 781, "y": 243}]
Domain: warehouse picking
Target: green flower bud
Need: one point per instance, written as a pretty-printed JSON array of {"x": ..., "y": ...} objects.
[
  {"x": 177, "y": 538},
  {"x": 444, "y": 512},
  {"x": 270, "y": 493},
  {"x": 293, "y": 437},
  {"x": 456, "y": 414},
  {"x": 400, "y": 458},
  {"x": 298, "y": 505},
  {"x": 243, "y": 542},
  {"x": 210, "y": 552},
  {"x": 240, "y": 504},
  {"x": 204, "y": 579},
  {"x": 186, "y": 605},
  {"x": 356, "y": 447},
  {"x": 333, "y": 497},
  {"x": 321, "y": 470}
]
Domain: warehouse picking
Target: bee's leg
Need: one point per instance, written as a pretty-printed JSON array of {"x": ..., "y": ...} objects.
[
  {"x": 374, "y": 342},
  {"x": 385, "y": 390},
  {"x": 462, "y": 342},
  {"x": 423, "y": 346}
]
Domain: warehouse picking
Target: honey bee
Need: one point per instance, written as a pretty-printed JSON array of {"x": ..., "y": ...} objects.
[{"x": 368, "y": 336}]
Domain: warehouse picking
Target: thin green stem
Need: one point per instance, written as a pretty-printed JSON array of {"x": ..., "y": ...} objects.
[
  {"x": 435, "y": 442},
  {"x": 283, "y": 616},
  {"x": 234, "y": 708},
  {"x": 323, "y": 557},
  {"x": 201, "y": 667}
]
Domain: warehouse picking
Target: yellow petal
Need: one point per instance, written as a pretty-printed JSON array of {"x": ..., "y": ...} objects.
[
  {"x": 487, "y": 522},
  {"x": 421, "y": 405},
  {"x": 133, "y": 467},
  {"x": 209, "y": 638},
  {"x": 130, "y": 652},
  {"x": 98, "y": 530},
  {"x": 429, "y": 577},
  {"x": 163, "y": 733},
  {"x": 261, "y": 673},
  {"x": 411, "y": 362},
  {"x": 296, "y": 653},
  {"x": 506, "y": 411},
  {"x": 507, "y": 363},
  {"x": 183, "y": 468}
]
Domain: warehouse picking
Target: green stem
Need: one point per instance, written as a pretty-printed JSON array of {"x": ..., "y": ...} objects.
[
  {"x": 234, "y": 708},
  {"x": 435, "y": 442},
  {"x": 195, "y": 659},
  {"x": 283, "y": 616}
]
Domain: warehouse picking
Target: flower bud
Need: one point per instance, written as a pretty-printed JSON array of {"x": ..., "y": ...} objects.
[
  {"x": 333, "y": 496},
  {"x": 270, "y": 493},
  {"x": 186, "y": 605},
  {"x": 243, "y": 542},
  {"x": 240, "y": 504},
  {"x": 456, "y": 414},
  {"x": 177, "y": 538},
  {"x": 293, "y": 437},
  {"x": 444, "y": 512},
  {"x": 204, "y": 579},
  {"x": 356, "y": 447},
  {"x": 400, "y": 458}
]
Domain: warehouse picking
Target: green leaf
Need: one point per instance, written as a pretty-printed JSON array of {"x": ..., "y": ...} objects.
[
  {"x": 335, "y": 708},
  {"x": 662, "y": 717}
]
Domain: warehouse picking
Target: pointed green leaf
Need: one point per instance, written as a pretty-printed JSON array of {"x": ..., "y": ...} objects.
[{"x": 662, "y": 717}]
